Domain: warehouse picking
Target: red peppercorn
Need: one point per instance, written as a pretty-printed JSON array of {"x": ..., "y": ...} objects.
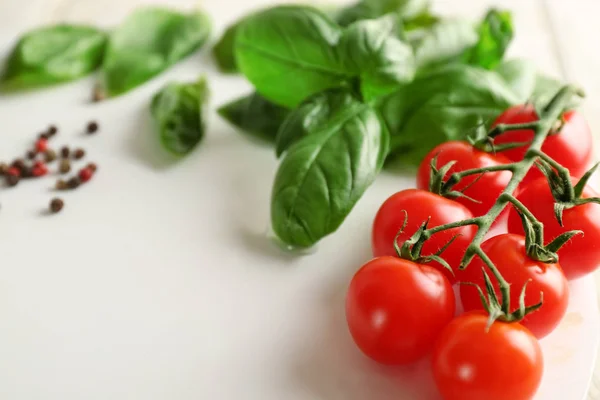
[
  {"x": 85, "y": 174},
  {"x": 39, "y": 170},
  {"x": 13, "y": 171},
  {"x": 41, "y": 145}
]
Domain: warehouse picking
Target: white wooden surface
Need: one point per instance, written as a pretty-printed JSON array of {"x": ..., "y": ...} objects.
[{"x": 123, "y": 302}]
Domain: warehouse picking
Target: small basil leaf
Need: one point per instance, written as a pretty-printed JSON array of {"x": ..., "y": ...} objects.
[
  {"x": 445, "y": 42},
  {"x": 178, "y": 111},
  {"x": 520, "y": 75},
  {"x": 445, "y": 104},
  {"x": 495, "y": 34},
  {"x": 255, "y": 115},
  {"x": 310, "y": 116},
  {"x": 370, "y": 9},
  {"x": 372, "y": 51},
  {"x": 224, "y": 52},
  {"x": 53, "y": 55},
  {"x": 288, "y": 53},
  {"x": 324, "y": 174},
  {"x": 148, "y": 42}
]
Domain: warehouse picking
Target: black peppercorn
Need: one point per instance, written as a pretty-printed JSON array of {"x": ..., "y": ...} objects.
[
  {"x": 73, "y": 183},
  {"x": 92, "y": 127},
  {"x": 52, "y": 130},
  {"x": 65, "y": 152},
  {"x": 56, "y": 205},
  {"x": 31, "y": 154},
  {"x": 12, "y": 180},
  {"x": 78, "y": 154}
]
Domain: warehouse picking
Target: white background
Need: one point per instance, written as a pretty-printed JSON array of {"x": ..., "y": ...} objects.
[{"x": 157, "y": 281}]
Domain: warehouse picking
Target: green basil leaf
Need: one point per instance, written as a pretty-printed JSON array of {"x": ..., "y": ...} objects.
[
  {"x": 224, "y": 51},
  {"x": 372, "y": 51},
  {"x": 53, "y": 55},
  {"x": 520, "y": 75},
  {"x": 370, "y": 9},
  {"x": 445, "y": 104},
  {"x": 310, "y": 116},
  {"x": 148, "y": 42},
  {"x": 255, "y": 115},
  {"x": 289, "y": 53},
  {"x": 178, "y": 111},
  {"x": 495, "y": 34},
  {"x": 445, "y": 42},
  {"x": 324, "y": 174}
]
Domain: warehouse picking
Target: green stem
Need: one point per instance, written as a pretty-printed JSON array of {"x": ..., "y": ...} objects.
[
  {"x": 501, "y": 128},
  {"x": 454, "y": 178},
  {"x": 542, "y": 129}
]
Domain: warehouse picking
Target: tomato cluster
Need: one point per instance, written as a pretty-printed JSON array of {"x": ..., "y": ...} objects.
[{"x": 401, "y": 308}]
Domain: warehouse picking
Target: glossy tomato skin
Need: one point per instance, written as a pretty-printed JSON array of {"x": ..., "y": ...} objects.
[
  {"x": 396, "y": 308},
  {"x": 581, "y": 255},
  {"x": 470, "y": 363},
  {"x": 571, "y": 147},
  {"x": 509, "y": 255},
  {"x": 420, "y": 205},
  {"x": 486, "y": 190}
]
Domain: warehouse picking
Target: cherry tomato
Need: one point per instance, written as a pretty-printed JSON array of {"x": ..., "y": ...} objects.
[
  {"x": 571, "y": 147},
  {"x": 420, "y": 205},
  {"x": 485, "y": 190},
  {"x": 396, "y": 308},
  {"x": 581, "y": 255},
  {"x": 471, "y": 363},
  {"x": 509, "y": 255}
]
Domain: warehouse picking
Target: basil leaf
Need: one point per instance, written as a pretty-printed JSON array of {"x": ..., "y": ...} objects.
[
  {"x": 324, "y": 174},
  {"x": 149, "y": 41},
  {"x": 224, "y": 52},
  {"x": 445, "y": 104},
  {"x": 370, "y": 9},
  {"x": 255, "y": 115},
  {"x": 371, "y": 50},
  {"x": 520, "y": 75},
  {"x": 495, "y": 34},
  {"x": 445, "y": 42},
  {"x": 288, "y": 53},
  {"x": 53, "y": 55},
  {"x": 310, "y": 116},
  {"x": 178, "y": 111}
]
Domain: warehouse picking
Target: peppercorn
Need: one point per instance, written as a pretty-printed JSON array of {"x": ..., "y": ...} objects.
[
  {"x": 39, "y": 170},
  {"x": 65, "y": 166},
  {"x": 56, "y": 205},
  {"x": 73, "y": 183},
  {"x": 12, "y": 180},
  {"x": 65, "y": 152},
  {"x": 41, "y": 145},
  {"x": 92, "y": 127},
  {"x": 44, "y": 135},
  {"x": 31, "y": 154},
  {"x": 3, "y": 168},
  {"x": 92, "y": 167},
  {"x": 52, "y": 130},
  {"x": 13, "y": 171},
  {"x": 85, "y": 174},
  {"x": 61, "y": 184},
  {"x": 19, "y": 164},
  {"x": 50, "y": 155},
  {"x": 78, "y": 154},
  {"x": 26, "y": 172}
]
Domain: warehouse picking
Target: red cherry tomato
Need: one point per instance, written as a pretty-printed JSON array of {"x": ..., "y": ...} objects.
[
  {"x": 420, "y": 205},
  {"x": 509, "y": 255},
  {"x": 471, "y": 363},
  {"x": 571, "y": 147},
  {"x": 581, "y": 255},
  {"x": 485, "y": 190},
  {"x": 396, "y": 308}
]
